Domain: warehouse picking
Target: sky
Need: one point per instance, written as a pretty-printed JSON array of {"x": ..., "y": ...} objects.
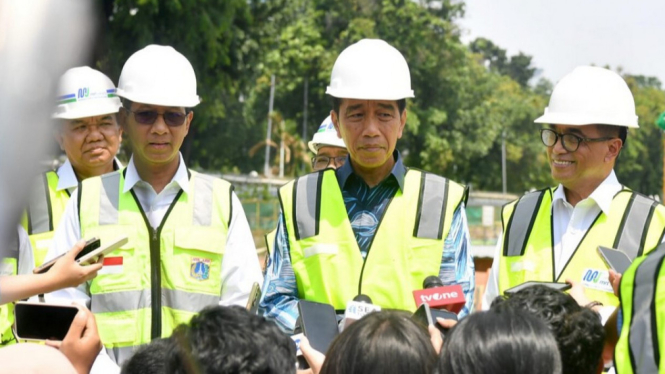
[{"x": 563, "y": 34}]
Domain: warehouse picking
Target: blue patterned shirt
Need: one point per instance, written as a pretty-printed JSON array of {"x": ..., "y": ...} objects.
[{"x": 365, "y": 207}]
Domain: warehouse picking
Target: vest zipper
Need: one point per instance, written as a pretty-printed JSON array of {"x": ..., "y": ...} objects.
[
  {"x": 155, "y": 284},
  {"x": 155, "y": 267}
]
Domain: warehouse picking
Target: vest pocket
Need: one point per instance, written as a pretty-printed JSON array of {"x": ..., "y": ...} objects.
[
  {"x": 118, "y": 328},
  {"x": 197, "y": 259},
  {"x": 121, "y": 267}
]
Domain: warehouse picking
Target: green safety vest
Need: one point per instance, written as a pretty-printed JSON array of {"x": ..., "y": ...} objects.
[
  {"x": 640, "y": 349},
  {"x": 9, "y": 259},
  {"x": 407, "y": 245},
  {"x": 163, "y": 276},
  {"x": 634, "y": 225},
  {"x": 42, "y": 216}
]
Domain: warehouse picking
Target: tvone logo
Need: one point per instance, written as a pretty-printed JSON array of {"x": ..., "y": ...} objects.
[{"x": 438, "y": 296}]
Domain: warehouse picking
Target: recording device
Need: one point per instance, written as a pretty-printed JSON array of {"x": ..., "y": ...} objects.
[
  {"x": 319, "y": 324},
  {"x": 615, "y": 259},
  {"x": 254, "y": 297},
  {"x": 519, "y": 287},
  {"x": 39, "y": 321},
  {"x": 90, "y": 246},
  {"x": 438, "y": 296},
  {"x": 356, "y": 309},
  {"x": 427, "y": 316}
]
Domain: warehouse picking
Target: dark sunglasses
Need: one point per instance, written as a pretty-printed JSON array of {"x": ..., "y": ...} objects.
[{"x": 148, "y": 117}]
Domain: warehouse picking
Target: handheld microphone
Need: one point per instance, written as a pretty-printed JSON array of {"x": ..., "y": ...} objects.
[
  {"x": 360, "y": 306},
  {"x": 438, "y": 296}
]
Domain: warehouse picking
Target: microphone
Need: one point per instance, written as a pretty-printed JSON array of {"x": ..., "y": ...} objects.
[
  {"x": 360, "y": 306},
  {"x": 438, "y": 296}
]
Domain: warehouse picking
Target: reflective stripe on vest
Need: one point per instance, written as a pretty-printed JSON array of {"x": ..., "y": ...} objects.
[
  {"x": 633, "y": 231},
  {"x": 329, "y": 267},
  {"x": 638, "y": 348},
  {"x": 46, "y": 206},
  {"x": 191, "y": 237},
  {"x": 9, "y": 261},
  {"x": 432, "y": 204},
  {"x": 630, "y": 238},
  {"x": 531, "y": 257}
]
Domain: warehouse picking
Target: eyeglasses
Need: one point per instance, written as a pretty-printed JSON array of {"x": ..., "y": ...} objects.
[
  {"x": 148, "y": 117},
  {"x": 570, "y": 142},
  {"x": 322, "y": 162}
]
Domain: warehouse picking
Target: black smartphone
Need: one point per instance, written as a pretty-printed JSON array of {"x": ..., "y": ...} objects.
[
  {"x": 555, "y": 285},
  {"x": 319, "y": 324},
  {"x": 427, "y": 316},
  {"x": 40, "y": 321},
  {"x": 90, "y": 246},
  {"x": 254, "y": 297},
  {"x": 615, "y": 259}
]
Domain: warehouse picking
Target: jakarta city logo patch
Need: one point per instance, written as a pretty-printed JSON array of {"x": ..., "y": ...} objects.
[{"x": 200, "y": 268}]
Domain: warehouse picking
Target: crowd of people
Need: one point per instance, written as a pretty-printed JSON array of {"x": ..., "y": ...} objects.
[{"x": 175, "y": 297}]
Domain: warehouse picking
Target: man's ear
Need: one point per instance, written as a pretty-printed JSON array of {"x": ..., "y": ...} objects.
[
  {"x": 402, "y": 120},
  {"x": 335, "y": 119},
  {"x": 614, "y": 147},
  {"x": 57, "y": 134}
]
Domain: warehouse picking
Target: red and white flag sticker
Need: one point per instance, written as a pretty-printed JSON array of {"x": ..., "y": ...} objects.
[{"x": 112, "y": 265}]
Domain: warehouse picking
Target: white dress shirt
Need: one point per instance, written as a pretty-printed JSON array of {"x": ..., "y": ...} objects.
[
  {"x": 67, "y": 179},
  {"x": 240, "y": 265},
  {"x": 570, "y": 224}
]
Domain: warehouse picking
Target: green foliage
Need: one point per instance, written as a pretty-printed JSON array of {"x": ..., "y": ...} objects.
[{"x": 467, "y": 97}]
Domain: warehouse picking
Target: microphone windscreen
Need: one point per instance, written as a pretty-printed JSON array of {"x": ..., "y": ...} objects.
[
  {"x": 363, "y": 298},
  {"x": 432, "y": 281}
]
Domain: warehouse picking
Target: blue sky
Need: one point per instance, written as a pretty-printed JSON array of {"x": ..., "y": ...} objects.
[{"x": 562, "y": 34}]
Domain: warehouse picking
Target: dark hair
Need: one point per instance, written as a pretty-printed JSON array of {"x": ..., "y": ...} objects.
[
  {"x": 579, "y": 333},
  {"x": 381, "y": 342},
  {"x": 231, "y": 340},
  {"x": 503, "y": 342},
  {"x": 149, "y": 359},
  {"x": 620, "y": 132},
  {"x": 337, "y": 102}
]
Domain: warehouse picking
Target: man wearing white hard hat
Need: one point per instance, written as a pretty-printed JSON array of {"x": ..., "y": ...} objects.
[
  {"x": 552, "y": 235},
  {"x": 371, "y": 227},
  {"x": 89, "y": 134},
  {"x": 189, "y": 245},
  {"x": 329, "y": 149}
]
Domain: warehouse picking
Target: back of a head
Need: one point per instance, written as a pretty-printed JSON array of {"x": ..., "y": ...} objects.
[
  {"x": 501, "y": 342},
  {"x": 381, "y": 342},
  {"x": 150, "y": 359},
  {"x": 231, "y": 340},
  {"x": 578, "y": 331}
]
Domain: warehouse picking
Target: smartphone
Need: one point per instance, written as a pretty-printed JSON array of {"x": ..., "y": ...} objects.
[
  {"x": 90, "y": 246},
  {"x": 427, "y": 316},
  {"x": 615, "y": 259},
  {"x": 519, "y": 287},
  {"x": 40, "y": 321},
  {"x": 254, "y": 297},
  {"x": 92, "y": 257},
  {"x": 319, "y": 324}
]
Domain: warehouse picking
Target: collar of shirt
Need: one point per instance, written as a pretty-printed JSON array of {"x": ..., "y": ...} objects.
[
  {"x": 398, "y": 171},
  {"x": 181, "y": 176},
  {"x": 602, "y": 195},
  {"x": 67, "y": 177}
]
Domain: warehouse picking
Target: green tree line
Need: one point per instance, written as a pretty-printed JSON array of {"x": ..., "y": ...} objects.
[{"x": 469, "y": 98}]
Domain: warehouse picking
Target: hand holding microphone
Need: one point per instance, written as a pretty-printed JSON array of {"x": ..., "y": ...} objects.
[{"x": 437, "y": 303}]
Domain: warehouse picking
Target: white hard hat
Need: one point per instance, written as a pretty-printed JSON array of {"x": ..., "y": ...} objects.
[
  {"x": 325, "y": 135},
  {"x": 85, "y": 92},
  {"x": 370, "y": 69},
  {"x": 591, "y": 95},
  {"x": 159, "y": 75}
]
